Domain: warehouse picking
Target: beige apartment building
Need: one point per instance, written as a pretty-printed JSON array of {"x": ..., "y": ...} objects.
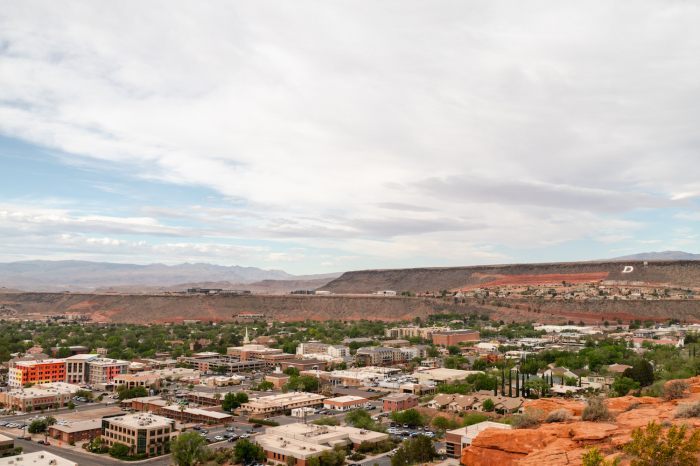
[{"x": 143, "y": 433}]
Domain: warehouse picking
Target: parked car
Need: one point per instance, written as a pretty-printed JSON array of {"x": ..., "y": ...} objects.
[
  {"x": 218, "y": 438},
  {"x": 40, "y": 442},
  {"x": 255, "y": 426}
]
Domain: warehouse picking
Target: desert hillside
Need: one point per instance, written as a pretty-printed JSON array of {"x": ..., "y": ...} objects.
[
  {"x": 673, "y": 272},
  {"x": 143, "y": 308}
]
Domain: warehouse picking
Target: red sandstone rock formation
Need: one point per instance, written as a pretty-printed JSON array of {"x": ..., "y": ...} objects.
[{"x": 561, "y": 444}]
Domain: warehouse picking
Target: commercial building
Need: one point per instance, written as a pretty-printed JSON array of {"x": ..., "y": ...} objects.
[
  {"x": 37, "y": 457},
  {"x": 459, "y": 439},
  {"x": 73, "y": 350},
  {"x": 7, "y": 445},
  {"x": 77, "y": 368},
  {"x": 76, "y": 431},
  {"x": 276, "y": 403},
  {"x": 160, "y": 407},
  {"x": 146, "y": 433},
  {"x": 47, "y": 395},
  {"x": 277, "y": 379},
  {"x": 305, "y": 441},
  {"x": 411, "y": 332},
  {"x": 131, "y": 381},
  {"x": 442, "y": 375},
  {"x": 453, "y": 337},
  {"x": 203, "y": 365},
  {"x": 102, "y": 370},
  {"x": 344, "y": 403},
  {"x": 399, "y": 402},
  {"x": 36, "y": 371},
  {"x": 271, "y": 356},
  {"x": 303, "y": 364},
  {"x": 346, "y": 378}
]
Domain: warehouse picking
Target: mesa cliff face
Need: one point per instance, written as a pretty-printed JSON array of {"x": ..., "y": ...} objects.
[
  {"x": 674, "y": 272},
  {"x": 560, "y": 444},
  {"x": 163, "y": 308}
]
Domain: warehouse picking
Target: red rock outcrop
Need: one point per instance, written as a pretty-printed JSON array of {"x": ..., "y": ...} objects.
[{"x": 560, "y": 444}]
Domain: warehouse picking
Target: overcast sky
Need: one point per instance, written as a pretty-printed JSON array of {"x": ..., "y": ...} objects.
[{"x": 328, "y": 136}]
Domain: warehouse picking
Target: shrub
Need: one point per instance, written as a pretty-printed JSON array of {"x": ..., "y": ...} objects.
[
  {"x": 327, "y": 421},
  {"x": 632, "y": 406},
  {"x": 530, "y": 418},
  {"x": 676, "y": 389},
  {"x": 264, "y": 422},
  {"x": 558, "y": 415},
  {"x": 593, "y": 457},
  {"x": 651, "y": 447},
  {"x": 596, "y": 411},
  {"x": 71, "y": 443},
  {"x": 357, "y": 456},
  {"x": 687, "y": 410}
]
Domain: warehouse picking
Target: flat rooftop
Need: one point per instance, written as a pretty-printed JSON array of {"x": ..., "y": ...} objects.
[
  {"x": 141, "y": 421},
  {"x": 347, "y": 399},
  {"x": 79, "y": 426},
  {"x": 39, "y": 458}
]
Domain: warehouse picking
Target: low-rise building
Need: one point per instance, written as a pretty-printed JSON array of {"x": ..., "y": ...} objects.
[
  {"x": 453, "y": 337},
  {"x": 277, "y": 379},
  {"x": 305, "y": 441},
  {"x": 344, "y": 403},
  {"x": 73, "y": 350},
  {"x": 7, "y": 445},
  {"x": 410, "y": 332},
  {"x": 442, "y": 375},
  {"x": 303, "y": 364},
  {"x": 399, "y": 402},
  {"x": 347, "y": 378},
  {"x": 131, "y": 381},
  {"x": 37, "y": 457},
  {"x": 47, "y": 395},
  {"x": 146, "y": 433},
  {"x": 282, "y": 402},
  {"x": 378, "y": 356},
  {"x": 396, "y": 344},
  {"x": 76, "y": 431}
]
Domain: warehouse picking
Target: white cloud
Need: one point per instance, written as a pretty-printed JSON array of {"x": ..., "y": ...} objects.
[
  {"x": 416, "y": 132},
  {"x": 649, "y": 241}
]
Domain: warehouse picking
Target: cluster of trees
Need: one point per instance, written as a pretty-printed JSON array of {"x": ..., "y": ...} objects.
[
  {"x": 417, "y": 450},
  {"x": 363, "y": 420},
  {"x": 409, "y": 416},
  {"x": 129, "y": 393},
  {"x": 234, "y": 400}
]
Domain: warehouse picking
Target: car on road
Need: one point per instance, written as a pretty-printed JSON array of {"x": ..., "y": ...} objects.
[
  {"x": 202, "y": 434},
  {"x": 40, "y": 442},
  {"x": 204, "y": 431},
  {"x": 231, "y": 429},
  {"x": 255, "y": 426},
  {"x": 47, "y": 443},
  {"x": 245, "y": 436},
  {"x": 250, "y": 431},
  {"x": 208, "y": 440}
]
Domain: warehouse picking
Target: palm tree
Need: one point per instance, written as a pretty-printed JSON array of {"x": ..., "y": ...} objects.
[
  {"x": 169, "y": 403},
  {"x": 56, "y": 406},
  {"x": 50, "y": 420},
  {"x": 182, "y": 408},
  {"x": 217, "y": 396},
  {"x": 144, "y": 407}
]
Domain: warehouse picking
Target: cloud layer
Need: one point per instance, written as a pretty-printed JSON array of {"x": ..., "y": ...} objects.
[{"x": 399, "y": 133}]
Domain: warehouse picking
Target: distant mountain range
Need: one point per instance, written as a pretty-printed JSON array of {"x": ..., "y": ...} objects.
[
  {"x": 42, "y": 275},
  {"x": 658, "y": 256}
]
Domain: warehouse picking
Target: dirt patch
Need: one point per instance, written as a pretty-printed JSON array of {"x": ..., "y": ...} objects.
[{"x": 549, "y": 279}]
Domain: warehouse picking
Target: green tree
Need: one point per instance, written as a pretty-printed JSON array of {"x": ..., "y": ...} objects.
[
  {"x": 409, "y": 416},
  {"x": 421, "y": 450},
  {"x": 651, "y": 447},
  {"x": 454, "y": 350},
  {"x": 641, "y": 372},
  {"x": 71, "y": 405},
  {"x": 433, "y": 352},
  {"x": 538, "y": 385},
  {"x": 189, "y": 449},
  {"x": 266, "y": 386},
  {"x": 63, "y": 352},
  {"x": 399, "y": 458},
  {"x": 623, "y": 385},
  {"x": 119, "y": 450},
  {"x": 488, "y": 405},
  {"x": 247, "y": 451}
]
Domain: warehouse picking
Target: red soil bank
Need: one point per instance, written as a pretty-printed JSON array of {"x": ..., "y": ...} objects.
[{"x": 542, "y": 279}]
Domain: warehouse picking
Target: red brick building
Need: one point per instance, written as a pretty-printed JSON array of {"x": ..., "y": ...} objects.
[
  {"x": 304, "y": 364},
  {"x": 399, "y": 402},
  {"x": 453, "y": 337}
]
